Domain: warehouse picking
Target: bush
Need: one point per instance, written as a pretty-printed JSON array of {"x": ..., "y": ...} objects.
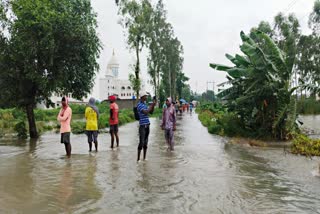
[
  {"x": 40, "y": 115},
  {"x": 206, "y": 117},
  {"x": 304, "y": 145},
  {"x": 6, "y": 114},
  {"x": 78, "y": 109},
  {"x": 78, "y": 127},
  {"x": 43, "y": 126},
  {"x": 103, "y": 120},
  {"x": 18, "y": 114},
  {"x": 20, "y": 128},
  {"x": 220, "y": 122},
  {"x": 46, "y": 114}
]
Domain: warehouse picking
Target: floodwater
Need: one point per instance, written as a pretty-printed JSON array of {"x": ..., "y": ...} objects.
[{"x": 204, "y": 174}]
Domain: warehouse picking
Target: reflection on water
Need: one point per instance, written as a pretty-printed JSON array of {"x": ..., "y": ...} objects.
[
  {"x": 203, "y": 175},
  {"x": 65, "y": 189}
]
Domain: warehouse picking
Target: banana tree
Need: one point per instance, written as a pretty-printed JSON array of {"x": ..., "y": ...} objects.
[{"x": 260, "y": 91}]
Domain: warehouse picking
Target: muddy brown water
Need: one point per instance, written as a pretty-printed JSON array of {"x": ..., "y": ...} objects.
[{"x": 204, "y": 174}]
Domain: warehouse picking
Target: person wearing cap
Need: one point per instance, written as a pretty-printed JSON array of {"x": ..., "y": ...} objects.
[
  {"x": 168, "y": 123},
  {"x": 144, "y": 124},
  {"x": 64, "y": 117},
  {"x": 92, "y": 116},
  {"x": 114, "y": 120}
]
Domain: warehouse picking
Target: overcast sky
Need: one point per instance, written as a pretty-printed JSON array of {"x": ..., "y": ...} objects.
[{"x": 207, "y": 30}]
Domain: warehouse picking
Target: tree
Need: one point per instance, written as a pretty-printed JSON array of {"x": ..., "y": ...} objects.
[
  {"x": 264, "y": 27},
  {"x": 136, "y": 17},
  {"x": 209, "y": 95},
  {"x": 260, "y": 93},
  {"x": 309, "y": 53},
  {"x": 286, "y": 35},
  {"x": 159, "y": 29},
  {"x": 181, "y": 84},
  {"x": 51, "y": 46},
  {"x": 314, "y": 18},
  {"x": 147, "y": 26},
  {"x": 173, "y": 64},
  {"x": 186, "y": 93}
]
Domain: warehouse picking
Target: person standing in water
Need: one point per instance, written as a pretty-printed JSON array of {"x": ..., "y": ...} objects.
[
  {"x": 92, "y": 116},
  {"x": 144, "y": 124},
  {"x": 169, "y": 123},
  {"x": 64, "y": 117},
  {"x": 114, "y": 120}
]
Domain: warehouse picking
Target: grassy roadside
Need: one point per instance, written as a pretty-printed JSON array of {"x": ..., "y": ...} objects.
[
  {"x": 13, "y": 121},
  {"x": 223, "y": 123}
]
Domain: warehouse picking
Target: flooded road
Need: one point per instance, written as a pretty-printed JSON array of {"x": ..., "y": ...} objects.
[{"x": 203, "y": 175}]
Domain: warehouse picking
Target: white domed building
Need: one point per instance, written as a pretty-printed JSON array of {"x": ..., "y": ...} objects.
[{"x": 110, "y": 84}]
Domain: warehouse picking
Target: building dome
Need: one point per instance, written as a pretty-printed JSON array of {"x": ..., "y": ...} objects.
[
  {"x": 113, "y": 62},
  {"x": 113, "y": 66}
]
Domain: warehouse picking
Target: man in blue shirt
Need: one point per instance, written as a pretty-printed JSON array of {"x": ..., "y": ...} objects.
[{"x": 144, "y": 124}]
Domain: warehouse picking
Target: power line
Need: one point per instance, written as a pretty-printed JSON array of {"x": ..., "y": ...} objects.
[{"x": 291, "y": 5}]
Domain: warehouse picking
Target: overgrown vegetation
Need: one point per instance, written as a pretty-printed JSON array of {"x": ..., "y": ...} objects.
[
  {"x": 304, "y": 145},
  {"x": 219, "y": 121},
  {"x": 14, "y": 120},
  {"x": 260, "y": 93}
]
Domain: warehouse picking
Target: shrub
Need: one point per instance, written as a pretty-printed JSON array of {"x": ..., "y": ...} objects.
[
  {"x": 6, "y": 114},
  {"x": 46, "y": 114},
  {"x": 305, "y": 146},
  {"x": 78, "y": 127},
  {"x": 40, "y": 115},
  {"x": 18, "y": 114},
  {"x": 43, "y": 126},
  {"x": 206, "y": 117},
  {"x": 220, "y": 122},
  {"x": 103, "y": 120},
  {"x": 78, "y": 109},
  {"x": 20, "y": 128}
]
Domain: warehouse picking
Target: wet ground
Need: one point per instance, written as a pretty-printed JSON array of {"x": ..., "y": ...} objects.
[{"x": 203, "y": 175}]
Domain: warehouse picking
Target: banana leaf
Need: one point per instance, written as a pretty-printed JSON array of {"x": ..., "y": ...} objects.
[{"x": 219, "y": 67}]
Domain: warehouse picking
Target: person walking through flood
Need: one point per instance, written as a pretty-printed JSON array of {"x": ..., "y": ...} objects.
[
  {"x": 92, "y": 116},
  {"x": 114, "y": 121},
  {"x": 64, "y": 117},
  {"x": 191, "y": 107},
  {"x": 169, "y": 123}
]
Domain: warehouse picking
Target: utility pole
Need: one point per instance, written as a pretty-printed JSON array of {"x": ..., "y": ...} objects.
[{"x": 213, "y": 83}]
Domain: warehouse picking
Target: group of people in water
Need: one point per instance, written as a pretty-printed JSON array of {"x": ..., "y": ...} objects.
[{"x": 168, "y": 122}]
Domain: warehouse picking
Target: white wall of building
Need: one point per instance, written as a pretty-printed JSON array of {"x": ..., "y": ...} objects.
[{"x": 110, "y": 84}]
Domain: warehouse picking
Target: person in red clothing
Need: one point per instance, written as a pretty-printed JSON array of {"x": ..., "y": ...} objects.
[{"x": 114, "y": 120}]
